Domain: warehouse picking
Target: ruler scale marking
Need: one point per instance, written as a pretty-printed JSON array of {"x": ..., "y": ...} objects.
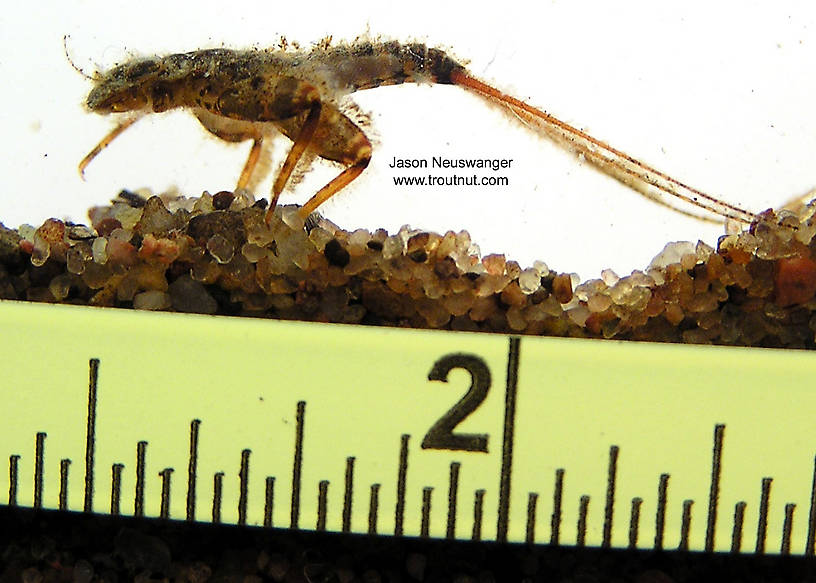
[
  {"x": 138, "y": 504},
  {"x": 373, "y": 508},
  {"x": 516, "y": 428},
  {"x": 685, "y": 525},
  {"x": 787, "y": 529},
  {"x": 166, "y": 475},
  {"x": 739, "y": 519},
  {"x": 555, "y": 520},
  {"x": 348, "y": 491},
  {"x": 297, "y": 465},
  {"x": 532, "y": 502},
  {"x": 243, "y": 487},
  {"x": 13, "y": 469},
  {"x": 762, "y": 522},
  {"x": 192, "y": 468},
  {"x": 507, "y": 439},
  {"x": 218, "y": 486},
  {"x": 39, "y": 452},
  {"x": 609, "y": 508},
  {"x": 116, "y": 488},
  {"x": 660, "y": 514},
  {"x": 425, "y": 524},
  {"x": 583, "y": 509},
  {"x": 269, "y": 500},
  {"x": 322, "y": 504},
  {"x": 90, "y": 433},
  {"x": 634, "y": 522},
  {"x": 402, "y": 476},
  {"x": 63, "y": 491},
  {"x": 478, "y": 512},
  {"x": 453, "y": 489},
  {"x": 714, "y": 492}
]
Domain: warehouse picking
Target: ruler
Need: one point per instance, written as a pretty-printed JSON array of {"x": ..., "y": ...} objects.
[{"x": 408, "y": 433}]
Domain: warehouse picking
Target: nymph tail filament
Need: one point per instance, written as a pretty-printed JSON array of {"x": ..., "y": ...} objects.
[{"x": 616, "y": 163}]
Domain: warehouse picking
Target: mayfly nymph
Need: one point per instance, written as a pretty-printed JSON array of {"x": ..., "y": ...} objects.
[{"x": 251, "y": 94}]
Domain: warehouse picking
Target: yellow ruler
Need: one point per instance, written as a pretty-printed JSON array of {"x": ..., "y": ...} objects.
[{"x": 408, "y": 433}]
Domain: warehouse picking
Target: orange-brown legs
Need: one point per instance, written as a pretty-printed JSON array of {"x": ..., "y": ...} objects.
[
  {"x": 336, "y": 138},
  {"x": 324, "y": 131},
  {"x": 112, "y": 135},
  {"x": 339, "y": 182},
  {"x": 252, "y": 161},
  {"x": 232, "y": 130},
  {"x": 299, "y": 146}
]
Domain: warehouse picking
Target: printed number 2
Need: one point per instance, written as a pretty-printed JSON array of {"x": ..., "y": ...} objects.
[{"x": 441, "y": 435}]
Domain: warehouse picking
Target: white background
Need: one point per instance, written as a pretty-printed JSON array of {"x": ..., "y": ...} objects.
[{"x": 719, "y": 95}]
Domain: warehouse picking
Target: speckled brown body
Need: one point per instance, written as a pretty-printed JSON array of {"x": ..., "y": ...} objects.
[
  {"x": 264, "y": 85},
  {"x": 247, "y": 95},
  {"x": 237, "y": 94}
]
